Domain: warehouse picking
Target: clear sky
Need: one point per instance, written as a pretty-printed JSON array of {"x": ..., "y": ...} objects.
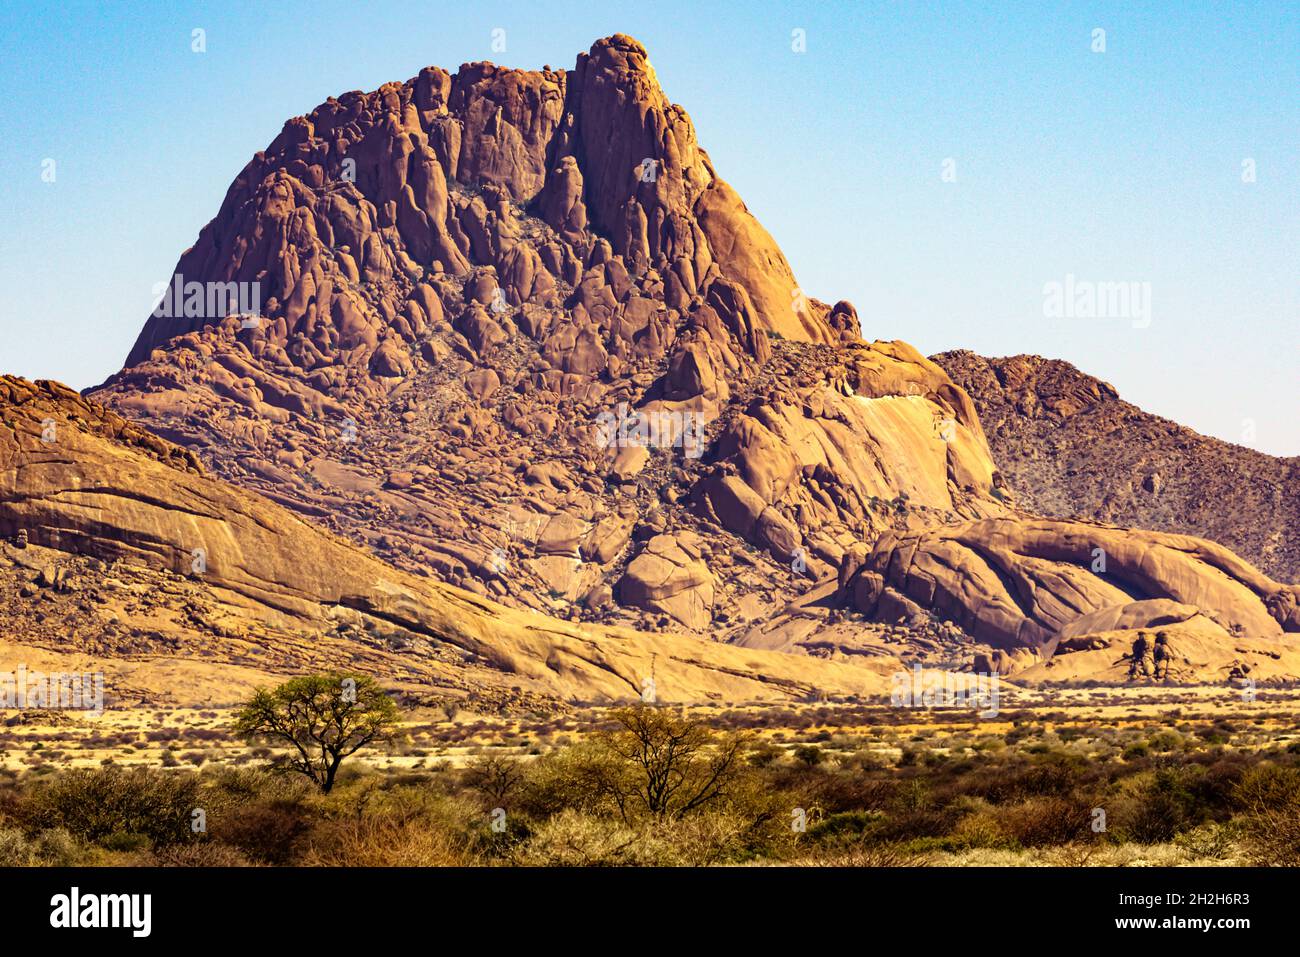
[{"x": 1122, "y": 166}]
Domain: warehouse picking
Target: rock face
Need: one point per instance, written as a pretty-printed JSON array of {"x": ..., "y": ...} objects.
[
  {"x": 1071, "y": 447},
  {"x": 490, "y": 298},
  {"x": 85, "y": 486},
  {"x": 670, "y": 576},
  {"x": 509, "y": 330},
  {"x": 355, "y": 207},
  {"x": 1025, "y": 584}
]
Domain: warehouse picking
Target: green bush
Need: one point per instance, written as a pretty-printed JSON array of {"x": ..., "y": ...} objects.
[
  {"x": 117, "y": 808},
  {"x": 1161, "y": 805}
]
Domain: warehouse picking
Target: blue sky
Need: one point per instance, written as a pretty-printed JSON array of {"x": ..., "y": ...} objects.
[{"x": 1117, "y": 166}]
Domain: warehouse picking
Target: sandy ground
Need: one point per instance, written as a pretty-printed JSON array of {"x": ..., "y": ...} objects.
[{"x": 34, "y": 739}]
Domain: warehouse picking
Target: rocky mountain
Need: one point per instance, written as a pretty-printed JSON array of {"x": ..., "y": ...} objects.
[
  {"x": 514, "y": 331},
  {"x": 510, "y": 331},
  {"x": 1072, "y": 448},
  {"x": 119, "y": 549}
]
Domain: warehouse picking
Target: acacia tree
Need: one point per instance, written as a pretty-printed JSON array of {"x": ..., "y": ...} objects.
[
  {"x": 324, "y": 718},
  {"x": 670, "y": 765}
]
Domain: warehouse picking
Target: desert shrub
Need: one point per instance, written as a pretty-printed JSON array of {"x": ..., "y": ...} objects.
[
  {"x": 243, "y": 784},
  {"x": 654, "y": 764},
  {"x": 1165, "y": 741},
  {"x": 863, "y": 759},
  {"x": 1046, "y": 821},
  {"x": 261, "y": 814},
  {"x": 567, "y": 779},
  {"x": 200, "y": 854},
  {"x": 1212, "y": 779},
  {"x": 867, "y": 855},
  {"x": 116, "y": 808},
  {"x": 982, "y": 827},
  {"x": 724, "y": 835},
  {"x": 1216, "y": 734},
  {"x": 572, "y": 838},
  {"x": 809, "y": 754},
  {"x": 15, "y": 849},
  {"x": 1017, "y": 733},
  {"x": 382, "y": 842},
  {"x": 1214, "y": 841},
  {"x": 267, "y": 831},
  {"x": 834, "y": 791},
  {"x": 395, "y": 827},
  {"x": 52, "y": 848},
  {"x": 57, "y": 848},
  {"x": 713, "y": 836},
  {"x": 910, "y": 823},
  {"x": 765, "y": 816},
  {"x": 764, "y": 755},
  {"x": 1055, "y": 775},
  {"x": 1270, "y": 827},
  {"x": 1267, "y": 787},
  {"x": 843, "y": 829},
  {"x": 1159, "y": 806},
  {"x": 663, "y": 764},
  {"x": 497, "y": 777},
  {"x": 126, "y": 841}
]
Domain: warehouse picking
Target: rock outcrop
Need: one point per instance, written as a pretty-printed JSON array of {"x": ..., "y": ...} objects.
[
  {"x": 1028, "y": 583},
  {"x": 1070, "y": 447},
  {"x": 86, "y": 487},
  {"x": 671, "y": 576},
  {"x": 490, "y": 298},
  {"x": 351, "y": 219},
  {"x": 509, "y": 330}
]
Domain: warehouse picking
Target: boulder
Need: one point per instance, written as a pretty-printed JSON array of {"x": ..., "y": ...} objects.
[
  {"x": 1026, "y": 583},
  {"x": 669, "y": 577}
]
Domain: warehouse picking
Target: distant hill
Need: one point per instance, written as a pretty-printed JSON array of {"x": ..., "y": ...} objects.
[{"x": 1069, "y": 446}]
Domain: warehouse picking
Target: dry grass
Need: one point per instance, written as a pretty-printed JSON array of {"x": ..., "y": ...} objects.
[{"x": 1184, "y": 776}]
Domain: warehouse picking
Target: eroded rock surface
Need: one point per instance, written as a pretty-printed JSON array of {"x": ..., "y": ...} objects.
[
  {"x": 513, "y": 332},
  {"x": 1027, "y": 583},
  {"x": 469, "y": 283},
  {"x": 1072, "y": 448},
  {"x": 130, "y": 552}
]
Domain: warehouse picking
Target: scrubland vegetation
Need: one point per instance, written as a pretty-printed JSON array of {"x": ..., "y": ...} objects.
[{"x": 659, "y": 786}]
